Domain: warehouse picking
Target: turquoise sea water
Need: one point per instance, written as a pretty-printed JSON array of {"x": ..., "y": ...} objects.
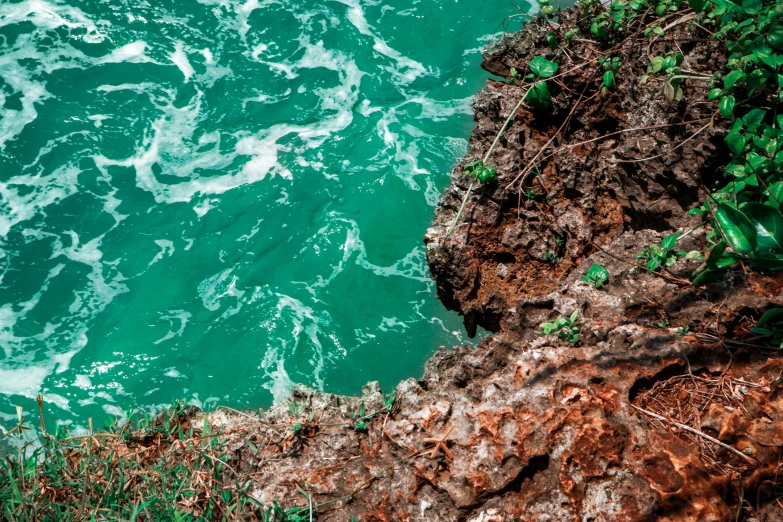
[{"x": 216, "y": 199}]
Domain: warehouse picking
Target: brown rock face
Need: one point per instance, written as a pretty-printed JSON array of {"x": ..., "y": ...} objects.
[{"x": 665, "y": 409}]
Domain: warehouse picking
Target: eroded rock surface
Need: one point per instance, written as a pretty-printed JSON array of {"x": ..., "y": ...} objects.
[{"x": 666, "y": 409}]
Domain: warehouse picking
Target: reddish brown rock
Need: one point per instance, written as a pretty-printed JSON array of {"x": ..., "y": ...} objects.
[{"x": 666, "y": 409}]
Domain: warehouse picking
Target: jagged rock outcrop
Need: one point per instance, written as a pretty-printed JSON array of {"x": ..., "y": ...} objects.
[{"x": 666, "y": 409}]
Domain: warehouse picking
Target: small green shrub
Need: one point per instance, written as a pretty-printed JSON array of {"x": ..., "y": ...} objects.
[
  {"x": 771, "y": 324},
  {"x": 663, "y": 255},
  {"x": 565, "y": 328},
  {"x": 597, "y": 275}
]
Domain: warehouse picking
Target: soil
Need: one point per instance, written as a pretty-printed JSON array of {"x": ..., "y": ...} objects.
[{"x": 667, "y": 408}]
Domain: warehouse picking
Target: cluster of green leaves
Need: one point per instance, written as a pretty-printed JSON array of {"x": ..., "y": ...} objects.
[
  {"x": 669, "y": 65},
  {"x": 771, "y": 324},
  {"x": 663, "y": 255},
  {"x": 546, "y": 7},
  {"x": 610, "y": 65},
  {"x": 755, "y": 141},
  {"x": 745, "y": 213},
  {"x": 597, "y": 275},
  {"x": 753, "y": 232},
  {"x": 551, "y": 257},
  {"x": 361, "y": 417},
  {"x": 753, "y": 31},
  {"x": 622, "y": 14},
  {"x": 481, "y": 172},
  {"x": 565, "y": 328},
  {"x": 538, "y": 95}
]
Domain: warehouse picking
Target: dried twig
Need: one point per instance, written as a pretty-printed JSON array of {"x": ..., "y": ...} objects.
[{"x": 685, "y": 427}]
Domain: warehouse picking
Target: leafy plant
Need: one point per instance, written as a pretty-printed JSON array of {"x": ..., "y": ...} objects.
[
  {"x": 295, "y": 408},
  {"x": 538, "y": 95},
  {"x": 663, "y": 255},
  {"x": 754, "y": 233},
  {"x": 513, "y": 76},
  {"x": 610, "y": 65},
  {"x": 546, "y": 7},
  {"x": 608, "y": 23},
  {"x": 565, "y": 328},
  {"x": 771, "y": 324},
  {"x": 359, "y": 418},
  {"x": 481, "y": 172},
  {"x": 553, "y": 258},
  {"x": 597, "y": 275},
  {"x": 663, "y": 324},
  {"x": 388, "y": 401},
  {"x": 551, "y": 39}
]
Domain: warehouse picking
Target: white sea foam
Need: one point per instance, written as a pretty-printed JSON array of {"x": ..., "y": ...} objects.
[
  {"x": 180, "y": 59},
  {"x": 131, "y": 53},
  {"x": 182, "y": 317},
  {"x": 219, "y": 286},
  {"x": 24, "y": 196},
  {"x": 166, "y": 249},
  {"x": 412, "y": 266},
  {"x": 49, "y": 16},
  {"x": 406, "y": 69},
  {"x": 186, "y": 153}
]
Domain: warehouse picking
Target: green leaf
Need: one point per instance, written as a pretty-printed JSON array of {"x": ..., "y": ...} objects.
[
  {"x": 775, "y": 37},
  {"x": 751, "y": 6},
  {"x": 755, "y": 80},
  {"x": 697, "y": 5},
  {"x": 538, "y": 96},
  {"x": 487, "y": 175},
  {"x": 726, "y": 106},
  {"x": 769, "y": 316},
  {"x": 769, "y": 225},
  {"x": 656, "y": 64},
  {"x": 599, "y": 29},
  {"x": 753, "y": 119},
  {"x": 543, "y": 67},
  {"x": 707, "y": 275},
  {"x": 139, "y": 509},
  {"x": 732, "y": 78},
  {"x": 755, "y": 161},
  {"x": 574, "y": 315},
  {"x": 736, "y": 228},
  {"x": 714, "y": 94},
  {"x": 736, "y": 169},
  {"x": 471, "y": 169},
  {"x": 597, "y": 275},
  {"x": 609, "y": 79},
  {"x": 776, "y": 194},
  {"x": 761, "y": 331},
  {"x": 718, "y": 259},
  {"x": 669, "y": 241},
  {"x": 736, "y": 142}
]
